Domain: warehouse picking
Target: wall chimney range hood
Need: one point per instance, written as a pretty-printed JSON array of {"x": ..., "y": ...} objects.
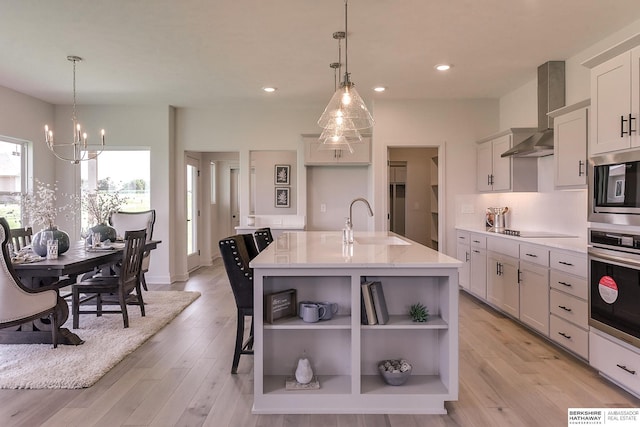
[{"x": 551, "y": 96}]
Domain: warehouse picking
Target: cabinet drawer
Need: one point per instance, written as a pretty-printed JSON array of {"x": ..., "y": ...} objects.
[
  {"x": 478, "y": 240},
  {"x": 569, "y": 336},
  {"x": 617, "y": 362},
  {"x": 504, "y": 246},
  {"x": 574, "y": 285},
  {"x": 569, "y": 308},
  {"x": 569, "y": 263},
  {"x": 534, "y": 254},
  {"x": 463, "y": 237}
]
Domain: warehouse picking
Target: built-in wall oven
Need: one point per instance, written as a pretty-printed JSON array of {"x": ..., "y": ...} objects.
[
  {"x": 614, "y": 188},
  {"x": 614, "y": 276}
]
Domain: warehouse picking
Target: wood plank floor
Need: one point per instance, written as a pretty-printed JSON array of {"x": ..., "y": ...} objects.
[{"x": 180, "y": 377}]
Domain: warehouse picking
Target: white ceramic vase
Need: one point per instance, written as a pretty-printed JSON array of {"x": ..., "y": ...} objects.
[{"x": 304, "y": 373}]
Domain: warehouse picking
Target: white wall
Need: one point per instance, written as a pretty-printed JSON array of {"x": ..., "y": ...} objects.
[
  {"x": 263, "y": 163},
  {"x": 451, "y": 125}
]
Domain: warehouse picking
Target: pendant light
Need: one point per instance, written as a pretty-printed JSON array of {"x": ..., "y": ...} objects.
[
  {"x": 79, "y": 149},
  {"x": 346, "y": 109}
]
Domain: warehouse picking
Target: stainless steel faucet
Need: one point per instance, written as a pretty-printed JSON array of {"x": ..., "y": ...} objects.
[{"x": 359, "y": 199}]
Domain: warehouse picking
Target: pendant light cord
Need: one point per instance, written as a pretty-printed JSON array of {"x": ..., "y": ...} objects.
[{"x": 346, "y": 44}]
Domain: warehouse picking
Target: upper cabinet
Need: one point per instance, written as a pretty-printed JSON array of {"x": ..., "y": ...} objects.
[
  {"x": 496, "y": 173},
  {"x": 316, "y": 153},
  {"x": 570, "y": 133},
  {"x": 615, "y": 97}
]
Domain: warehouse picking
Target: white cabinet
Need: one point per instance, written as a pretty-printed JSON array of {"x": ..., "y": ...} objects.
[
  {"x": 496, "y": 173},
  {"x": 534, "y": 287},
  {"x": 478, "y": 266},
  {"x": 345, "y": 354},
  {"x": 615, "y": 98},
  {"x": 463, "y": 253},
  {"x": 570, "y": 126},
  {"x": 618, "y": 361},
  {"x": 316, "y": 153},
  {"x": 503, "y": 289},
  {"x": 568, "y": 307}
]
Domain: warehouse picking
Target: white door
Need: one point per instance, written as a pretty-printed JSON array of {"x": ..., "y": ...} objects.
[
  {"x": 235, "y": 205},
  {"x": 193, "y": 212}
]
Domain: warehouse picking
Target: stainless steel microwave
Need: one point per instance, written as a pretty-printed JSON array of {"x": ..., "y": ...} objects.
[{"x": 614, "y": 188}]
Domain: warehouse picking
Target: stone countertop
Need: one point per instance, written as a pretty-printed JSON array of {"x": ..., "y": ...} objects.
[
  {"x": 324, "y": 249},
  {"x": 576, "y": 244}
]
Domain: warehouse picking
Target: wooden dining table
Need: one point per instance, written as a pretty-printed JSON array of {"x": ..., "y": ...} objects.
[{"x": 59, "y": 273}]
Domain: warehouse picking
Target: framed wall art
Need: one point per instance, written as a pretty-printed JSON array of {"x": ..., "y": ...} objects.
[
  {"x": 282, "y": 197},
  {"x": 282, "y": 174}
]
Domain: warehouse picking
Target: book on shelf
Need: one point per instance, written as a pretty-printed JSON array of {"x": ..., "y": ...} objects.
[
  {"x": 368, "y": 304},
  {"x": 379, "y": 303}
]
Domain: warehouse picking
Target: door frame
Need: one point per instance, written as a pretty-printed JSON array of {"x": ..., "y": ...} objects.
[{"x": 193, "y": 259}]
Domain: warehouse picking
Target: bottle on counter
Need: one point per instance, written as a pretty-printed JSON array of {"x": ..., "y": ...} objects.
[{"x": 347, "y": 232}]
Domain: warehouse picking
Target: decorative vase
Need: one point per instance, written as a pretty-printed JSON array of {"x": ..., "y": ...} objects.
[
  {"x": 107, "y": 232},
  {"x": 39, "y": 246},
  {"x": 304, "y": 374}
]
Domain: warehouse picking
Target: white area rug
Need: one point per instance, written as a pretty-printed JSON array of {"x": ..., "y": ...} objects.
[{"x": 106, "y": 344}]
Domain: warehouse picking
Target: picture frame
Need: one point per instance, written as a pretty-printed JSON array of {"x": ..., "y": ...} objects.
[
  {"x": 282, "y": 197},
  {"x": 280, "y": 305},
  {"x": 282, "y": 175}
]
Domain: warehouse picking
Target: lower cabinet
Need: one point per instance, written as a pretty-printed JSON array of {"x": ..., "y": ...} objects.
[
  {"x": 615, "y": 360},
  {"x": 478, "y": 272},
  {"x": 463, "y": 253},
  {"x": 534, "y": 296}
]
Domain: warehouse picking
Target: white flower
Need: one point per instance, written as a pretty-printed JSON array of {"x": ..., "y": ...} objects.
[
  {"x": 40, "y": 206},
  {"x": 100, "y": 204}
]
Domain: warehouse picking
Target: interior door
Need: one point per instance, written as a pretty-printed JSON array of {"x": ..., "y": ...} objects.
[
  {"x": 193, "y": 212},
  {"x": 235, "y": 205}
]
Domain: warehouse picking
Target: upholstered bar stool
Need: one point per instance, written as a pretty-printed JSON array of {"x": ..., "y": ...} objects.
[{"x": 263, "y": 238}]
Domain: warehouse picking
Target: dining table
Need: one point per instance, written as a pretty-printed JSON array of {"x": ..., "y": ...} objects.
[{"x": 59, "y": 273}]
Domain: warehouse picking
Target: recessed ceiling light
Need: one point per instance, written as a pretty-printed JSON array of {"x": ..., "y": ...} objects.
[
  {"x": 443, "y": 67},
  {"x": 379, "y": 88},
  {"x": 269, "y": 89}
]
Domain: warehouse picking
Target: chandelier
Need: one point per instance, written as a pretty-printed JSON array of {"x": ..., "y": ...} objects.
[
  {"x": 79, "y": 149},
  {"x": 346, "y": 109}
]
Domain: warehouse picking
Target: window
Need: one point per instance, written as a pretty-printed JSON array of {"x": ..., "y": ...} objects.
[
  {"x": 213, "y": 183},
  {"x": 124, "y": 171},
  {"x": 13, "y": 166}
]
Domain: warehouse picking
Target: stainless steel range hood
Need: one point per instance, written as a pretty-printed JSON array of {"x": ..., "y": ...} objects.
[{"x": 551, "y": 96}]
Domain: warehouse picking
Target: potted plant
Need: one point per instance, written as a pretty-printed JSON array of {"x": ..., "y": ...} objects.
[
  {"x": 42, "y": 208},
  {"x": 99, "y": 205}
]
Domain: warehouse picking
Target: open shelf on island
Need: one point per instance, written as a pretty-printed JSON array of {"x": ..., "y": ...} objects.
[
  {"x": 416, "y": 384},
  {"x": 329, "y": 384},
  {"x": 404, "y": 322},
  {"x": 337, "y": 322}
]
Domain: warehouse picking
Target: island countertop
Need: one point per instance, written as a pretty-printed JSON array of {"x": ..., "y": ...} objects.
[{"x": 324, "y": 249}]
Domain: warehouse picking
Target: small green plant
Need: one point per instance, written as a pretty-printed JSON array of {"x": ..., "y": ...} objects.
[{"x": 418, "y": 312}]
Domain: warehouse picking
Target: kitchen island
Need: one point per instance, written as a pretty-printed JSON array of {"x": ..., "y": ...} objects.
[{"x": 344, "y": 353}]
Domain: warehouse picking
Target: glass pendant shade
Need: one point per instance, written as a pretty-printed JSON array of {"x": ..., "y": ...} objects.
[
  {"x": 335, "y": 143},
  {"x": 351, "y": 136},
  {"x": 346, "y": 110}
]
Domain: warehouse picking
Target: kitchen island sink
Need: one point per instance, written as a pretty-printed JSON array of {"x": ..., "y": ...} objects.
[{"x": 344, "y": 353}]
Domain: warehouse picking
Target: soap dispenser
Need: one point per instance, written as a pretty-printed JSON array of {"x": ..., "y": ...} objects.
[{"x": 347, "y": 232}]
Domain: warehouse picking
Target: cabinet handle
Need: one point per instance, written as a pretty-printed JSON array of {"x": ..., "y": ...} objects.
[
  {"x": 476, "y": 251},
  {"x": 565, "y": 263},
  {"x": 631, "y": 118},
  {"x": 466, "y": 256},
  {"x": 565, "y": 335},
  {"x": 532, "y": 255},
  {"x": 580, "y": 165},
  {"x": 564, "y": 308},
  {"x": 501, "y": 269},
  {"x": 488, "y": 179},
  {"x": 497, "y": 268},
  {"x": 491, "y": 179},
  {"x": 519, "y": 276},
  {"x": 623, "y": 367},
  {"x": 476, "y": 241},
  {"x": 566, "y": 284},
  {"x": 622, "y": 122}
]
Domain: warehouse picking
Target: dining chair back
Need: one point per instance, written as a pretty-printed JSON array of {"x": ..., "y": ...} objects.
[
  {"x": 124, "y": 221},
  {"x": 20, "y": 237},
  {"x": 236, "y": 258},
  {"x": 19, "y": 304},
  {"x": 263, "y": 238},
  {"x": 101, "y": 288}
]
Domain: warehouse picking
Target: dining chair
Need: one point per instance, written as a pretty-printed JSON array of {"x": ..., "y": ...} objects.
[
  {"x": 19, "y": 304},
  {"x": 20, "y": 237},
  {"x": 263, "y": 238},
  {"x": 104, "y": 289},
  {"x": 236, "y": 260},
  {"x": 123, "y": 221}
]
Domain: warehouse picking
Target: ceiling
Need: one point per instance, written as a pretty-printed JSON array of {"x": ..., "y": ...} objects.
[{"x": 194, "y": 53}]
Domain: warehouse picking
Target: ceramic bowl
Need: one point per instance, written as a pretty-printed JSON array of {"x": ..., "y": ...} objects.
[{"x": 396, "y": 376}]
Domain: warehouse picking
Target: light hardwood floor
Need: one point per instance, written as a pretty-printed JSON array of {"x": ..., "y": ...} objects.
[{"x": 180, "y": 377}]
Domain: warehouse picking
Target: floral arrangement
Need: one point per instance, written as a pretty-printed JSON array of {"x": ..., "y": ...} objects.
[
  {"x": 100, "y": 204},
  {"x": 40, "y": 206}
]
